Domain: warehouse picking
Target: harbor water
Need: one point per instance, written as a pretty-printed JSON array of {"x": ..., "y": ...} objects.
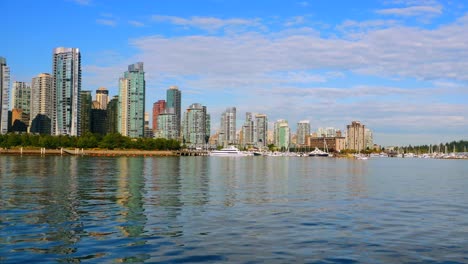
[{"x": 232, "y": 210}]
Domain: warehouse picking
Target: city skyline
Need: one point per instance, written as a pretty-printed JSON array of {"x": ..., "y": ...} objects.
[{"x": 393, "y": 65}]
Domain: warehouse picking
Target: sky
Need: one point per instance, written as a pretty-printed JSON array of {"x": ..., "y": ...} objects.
[{"x": 398, "y": 66}]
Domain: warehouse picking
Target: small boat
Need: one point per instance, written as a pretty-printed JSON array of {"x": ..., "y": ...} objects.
[
  {"x": 257, "y": 153},
  {"x": 318, "y": 153},
  {"x": 360, "y": 157},
  {"x": 230, "y": 151}
]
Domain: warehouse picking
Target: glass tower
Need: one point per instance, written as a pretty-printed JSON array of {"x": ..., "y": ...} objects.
[
  {"x": 132, "y": 101},
  {"x": 173, "y": 100},
  {"x": 4, "y": 95},
  {"x": 66, "y": 87}
]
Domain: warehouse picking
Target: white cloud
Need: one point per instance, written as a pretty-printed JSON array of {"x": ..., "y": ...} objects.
[
  {"x": 412, "y": 11},
  {"x": 82, "y": 2},
  {"x": 136, "y": 23},
  {"x": 106, "y": 22},
  {"x": 208, "y": 23}
]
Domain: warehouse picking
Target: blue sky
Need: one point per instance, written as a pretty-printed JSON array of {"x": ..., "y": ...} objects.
[{"x": 398, "y": 66}]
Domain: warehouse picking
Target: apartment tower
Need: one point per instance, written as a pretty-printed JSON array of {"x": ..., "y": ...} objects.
[
  {"x": 66, "y": 88},
  {"x": 132, "y": 101}
]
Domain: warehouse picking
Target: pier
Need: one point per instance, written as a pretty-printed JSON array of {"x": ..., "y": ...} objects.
[{"x": 191, "y": 153}]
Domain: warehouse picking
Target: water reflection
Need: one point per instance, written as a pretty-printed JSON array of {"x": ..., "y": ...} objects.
[{"x": 188, "y": 209}]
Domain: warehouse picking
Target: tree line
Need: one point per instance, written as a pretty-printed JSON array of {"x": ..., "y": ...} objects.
[
  {"x": 459, "y": 146},
  {"x": 88, "y": 140}
]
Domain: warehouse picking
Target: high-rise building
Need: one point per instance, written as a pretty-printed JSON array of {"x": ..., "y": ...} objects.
[
  {"x": 303, "y": 131},
  {"x": 132, "y": 101},
  {"x": 261, "y": 130},
  {"x": 282, "y": 134},
  {"x": 356, "y": 136},
  {"x": 18, "y": 120},
  {"x": 41, "y": 103},
  {"x": 85, "y": 108},
  {"x": 21, "y": 99},
  {"x": 167, "y": 125},
  {"x": 227, "y": 134},
  {"x": 66, "y": 87},
  {"x": 102, "y": 96},
  {"x": 113, "y": 115},
  {"x": 4, "y": 95},
  {"x": 369, "y": 139},
  {"x": 173, "y": 100},
  {"x": 248, "y": 130},
  {"x": 148, "y": 130},
  {"x": 158, "y": 108},
  {"x": 98, "y": 119},
  {"x": 196, "y": 126}
]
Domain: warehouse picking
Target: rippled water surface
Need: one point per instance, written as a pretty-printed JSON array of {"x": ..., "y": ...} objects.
[{"x": 239, "y": 210}]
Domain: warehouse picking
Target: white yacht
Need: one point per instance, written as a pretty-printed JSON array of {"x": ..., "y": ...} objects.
[
  {"x": 230, "y": 151},
  {"x": 318, "y": 153}
]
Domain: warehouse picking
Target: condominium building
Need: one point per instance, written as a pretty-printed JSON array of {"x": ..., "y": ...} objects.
[
  {"x": 227, "y": 134},
  {"x": 4, "y": 95},
  {"x": 66, "y": 87},
  {"x": 248, "y": 130},
  {"x": 158, "y": 108},
  {"x": 303, "y": 131},
  {"x": 21, "y": 99},
  {"x": 196, "y": 125},
  {"x": 261, "y": 130},
  {"x": 356, "y": 136},
  {"x": 369, "y": 139},
  {"x": 85, "y": 108},
  {"x": 282, "y": 134},
  {"x": 102, "y": 97},
  {"x": 132, "y": 101},
  {"x": 41, "y": 103},
  {"x": 173, "y": 100},
  {"x": 167, "y": 125},
  {"x": 113, "y": 115}
]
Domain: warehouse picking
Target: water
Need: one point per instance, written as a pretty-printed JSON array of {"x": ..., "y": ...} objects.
[{"x": 239, "y": 210}]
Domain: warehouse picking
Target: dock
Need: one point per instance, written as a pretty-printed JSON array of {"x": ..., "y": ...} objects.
[{"x": 191, "y": 153}]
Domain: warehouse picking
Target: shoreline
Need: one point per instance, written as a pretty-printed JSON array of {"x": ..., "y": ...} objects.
[{"x": 86, "y": 152}]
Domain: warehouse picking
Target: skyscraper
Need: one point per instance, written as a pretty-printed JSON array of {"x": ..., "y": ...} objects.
[
  {"x": 261, "y": 130},
  {"x": 248, "y": 130},
  {"x": 303, "y": 130},
  {"x": 132, "y": 101},
  {"x": 102, "y": 96},
  {"x": 98, "y": 119},
  {"x": 356, "y": 136},
  {"x": 167, "y": 125},
  {"x": 85, "y": 108},
  {"x": 282, "y": 134},
  {"x": 173, "y": 99},
  {"x": 227, "y": 134},
  {"x": 113, "y": 115},
  {"x": 369, "y": 139},
  {"x": 4, "y": 95},
  {"x": 195, "y": 125},
  {"x": 21, "y": 98},
  {"x": 66, "y": 87},
  {"x": 158, "y": 108},
  {"x": 41, "y": 96}
]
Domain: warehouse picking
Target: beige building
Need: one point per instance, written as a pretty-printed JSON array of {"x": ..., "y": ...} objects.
[
  {"x": 330, "y": 143},
  {"x": 102, "y": 96},
  {"x": 356, "y": 136}
]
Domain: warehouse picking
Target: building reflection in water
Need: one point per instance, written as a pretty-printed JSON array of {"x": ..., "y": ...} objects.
[
  {"x": 357, "y": 171},
  {"x": 164, "y": 195}
]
